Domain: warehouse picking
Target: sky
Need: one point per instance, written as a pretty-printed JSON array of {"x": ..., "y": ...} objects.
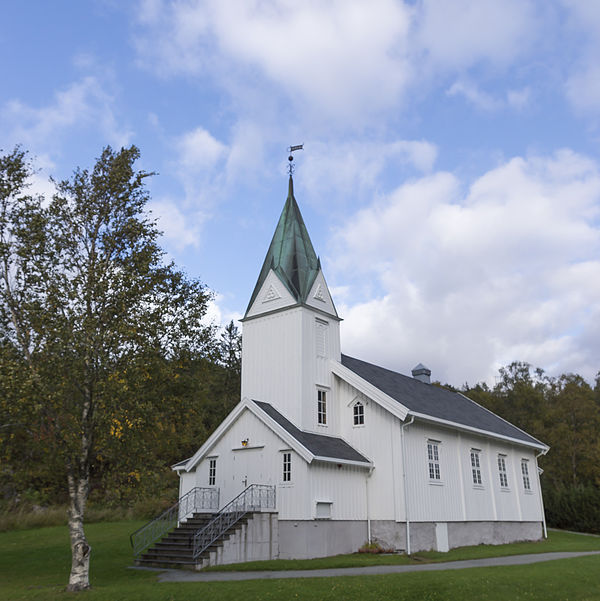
[{"x": 450, "y": 176}]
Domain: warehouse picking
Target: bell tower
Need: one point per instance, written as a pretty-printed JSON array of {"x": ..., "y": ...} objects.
[{"x": 291, "y": 329}]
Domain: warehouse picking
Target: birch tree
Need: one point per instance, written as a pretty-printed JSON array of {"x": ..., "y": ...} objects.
[{"x": 85, "y": 296}]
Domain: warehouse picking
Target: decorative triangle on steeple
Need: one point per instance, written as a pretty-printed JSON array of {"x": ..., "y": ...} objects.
[
  {"x": 291, "y": 255},
  {"x": 271, "y": 294}
]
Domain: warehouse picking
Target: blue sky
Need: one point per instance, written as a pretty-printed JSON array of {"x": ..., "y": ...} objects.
[{"x": 450, "y": 177}]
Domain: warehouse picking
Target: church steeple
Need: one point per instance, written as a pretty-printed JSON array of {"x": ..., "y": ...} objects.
[
  {"x": 291, "y": 326},
  {"x": 291, "y": 255}
]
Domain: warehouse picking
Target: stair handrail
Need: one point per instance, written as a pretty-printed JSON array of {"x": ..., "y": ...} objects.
[
  {"x": 254, "y": 498},
  {"x": 194, "y": 501}
]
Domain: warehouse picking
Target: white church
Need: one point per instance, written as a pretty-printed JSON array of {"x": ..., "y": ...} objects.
[{"x": 337, "y": 452}]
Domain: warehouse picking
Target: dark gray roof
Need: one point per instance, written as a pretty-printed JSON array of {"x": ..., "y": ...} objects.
[
  {"x": 319, "y": 445},
  {"x": 433, "y": 401}
]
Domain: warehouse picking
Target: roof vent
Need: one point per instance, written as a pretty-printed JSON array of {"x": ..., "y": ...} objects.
[{"x": 422, "y": 373}]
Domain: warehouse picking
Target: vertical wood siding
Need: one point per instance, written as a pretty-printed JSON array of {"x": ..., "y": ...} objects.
[
  {"x": 280, "y": 365},
  {"x": 455, "y": 497}
]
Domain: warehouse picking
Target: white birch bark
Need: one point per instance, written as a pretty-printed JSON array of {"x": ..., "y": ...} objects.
[{"x": 79, "y": 578}]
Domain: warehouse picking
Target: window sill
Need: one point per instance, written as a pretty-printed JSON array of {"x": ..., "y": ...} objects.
[
  {"x": 478, "y": 487},
  {"x": 504, "y": 489},
  {"x": 436, "y": 483}
]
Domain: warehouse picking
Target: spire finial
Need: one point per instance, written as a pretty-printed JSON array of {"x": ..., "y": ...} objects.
[{"x": 291, "y": 157}]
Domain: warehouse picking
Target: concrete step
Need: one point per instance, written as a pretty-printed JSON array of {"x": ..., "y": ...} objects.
[{"x": 176, "y": 549}]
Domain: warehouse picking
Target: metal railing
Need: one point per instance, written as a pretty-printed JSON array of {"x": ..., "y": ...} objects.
[
  {"x": 195, "y": 501},
  {"x": 255, "y": 498}
]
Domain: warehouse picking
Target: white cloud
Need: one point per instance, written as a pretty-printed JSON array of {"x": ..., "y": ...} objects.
[
  {"x": 516, "y": 99},
  {"x": 459, "y": 34},
  {"x": 180, "y": 229},
  {"x": 343, "y": 56},
  {"x": 343, "y": 61},
  {"x": 198, "y": 162},
  {"x": 217, "y": 314},
  {"x": 583, "y": 82},
  {"x": 83, "y": 104},
  {"x": 337, "y": 170},
  {"x": 474, "y": 95},
  {"x": 199, "y": 150},
  {"x": 468, "y": 281},
  {"x": 519, "y": 99}
]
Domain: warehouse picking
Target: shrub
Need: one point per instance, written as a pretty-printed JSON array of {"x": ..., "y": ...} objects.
[
  {"x": 573, "y": 508},
  {"x": 374, "y": 547}
]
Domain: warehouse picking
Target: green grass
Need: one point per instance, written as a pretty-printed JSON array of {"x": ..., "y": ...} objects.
[
  {"x": 34, "y": 565},
  {"x": 556, "y": 541},
  {"x": 26, "y": 516}
]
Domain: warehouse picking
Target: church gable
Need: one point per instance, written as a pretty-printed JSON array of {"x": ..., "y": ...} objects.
[
  {"x": 319, "y": 296},
  {"x": 271, "y": 296}
]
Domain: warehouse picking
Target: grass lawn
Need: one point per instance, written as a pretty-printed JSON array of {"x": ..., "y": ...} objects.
[
  {"x": 34, "y": 564},
  {"x": 556, "y": 541}
]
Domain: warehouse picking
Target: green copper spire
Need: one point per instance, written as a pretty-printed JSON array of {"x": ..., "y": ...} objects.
[{"x": 291, "y": 254}]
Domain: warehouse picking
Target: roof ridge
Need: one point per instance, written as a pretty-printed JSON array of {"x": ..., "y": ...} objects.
[{"x": 434, "y": 402}]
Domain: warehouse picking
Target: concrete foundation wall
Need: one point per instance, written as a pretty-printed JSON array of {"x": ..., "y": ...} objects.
[
  {"x": 441, "y": 536},
  {"x": 266, "y": 537},
  {"x": 255, "y": 540},
  {"x": 462, "y": 534},
  {"x": 304, "y": 539}
]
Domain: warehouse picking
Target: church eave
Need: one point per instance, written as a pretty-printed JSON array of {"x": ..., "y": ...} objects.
[{"x": 287, "y": 308}]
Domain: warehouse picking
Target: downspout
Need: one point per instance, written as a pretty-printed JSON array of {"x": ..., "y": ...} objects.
[
  {"x": 368, "y": 513},
  {"x": 537, "y": 471},
  {"x": 405, "y": 425}
]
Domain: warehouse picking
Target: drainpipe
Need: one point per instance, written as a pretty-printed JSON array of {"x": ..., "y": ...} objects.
[
  {"x": 537, "y": 471},
  {"x": 405, "y": 425},
  {"x": 368, "y": 513}
]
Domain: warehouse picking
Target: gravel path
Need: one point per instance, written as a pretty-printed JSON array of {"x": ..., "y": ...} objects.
[{"x": 512, "y": 560}]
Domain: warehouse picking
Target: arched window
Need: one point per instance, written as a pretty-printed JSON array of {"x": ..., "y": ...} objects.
[{"x": 359, "y": 413}]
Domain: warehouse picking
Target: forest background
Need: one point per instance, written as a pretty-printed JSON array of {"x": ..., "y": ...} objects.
[{"x": 179, "y": 400}]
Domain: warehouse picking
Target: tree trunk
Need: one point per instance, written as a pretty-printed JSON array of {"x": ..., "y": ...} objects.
[{"x": 79, "y": 579}]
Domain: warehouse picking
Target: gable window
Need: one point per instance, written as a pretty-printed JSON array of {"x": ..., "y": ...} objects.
[
  {"x": 502, "y": 471},
  {"x": 322, "y": 407},
  {"x": 287, "y": 466},
  {"x": 525, "y": 474},
  {"x": 359, "y": 414},
  {"x": 476, "y": 467},
  {"x": 212, "y": 471},
  {"x": 433, "y": 456}
]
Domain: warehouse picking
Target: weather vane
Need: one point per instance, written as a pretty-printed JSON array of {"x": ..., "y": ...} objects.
[{"x": 291, "y": 149}]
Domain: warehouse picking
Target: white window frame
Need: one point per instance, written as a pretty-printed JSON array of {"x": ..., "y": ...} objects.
[
  {"x": 321, "y": 407},
  {"x": 476, "y": 468},
  {"x": 525, "y": 475},
  {"x": 212, "y": 471},
  {"x": 323, "y": 510},
  {"x": 433, "y": 461},
  {"x": 502, "y": 472},
  {"x": 287, "y": 467},
  {"x": 358, "y": 414}
]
